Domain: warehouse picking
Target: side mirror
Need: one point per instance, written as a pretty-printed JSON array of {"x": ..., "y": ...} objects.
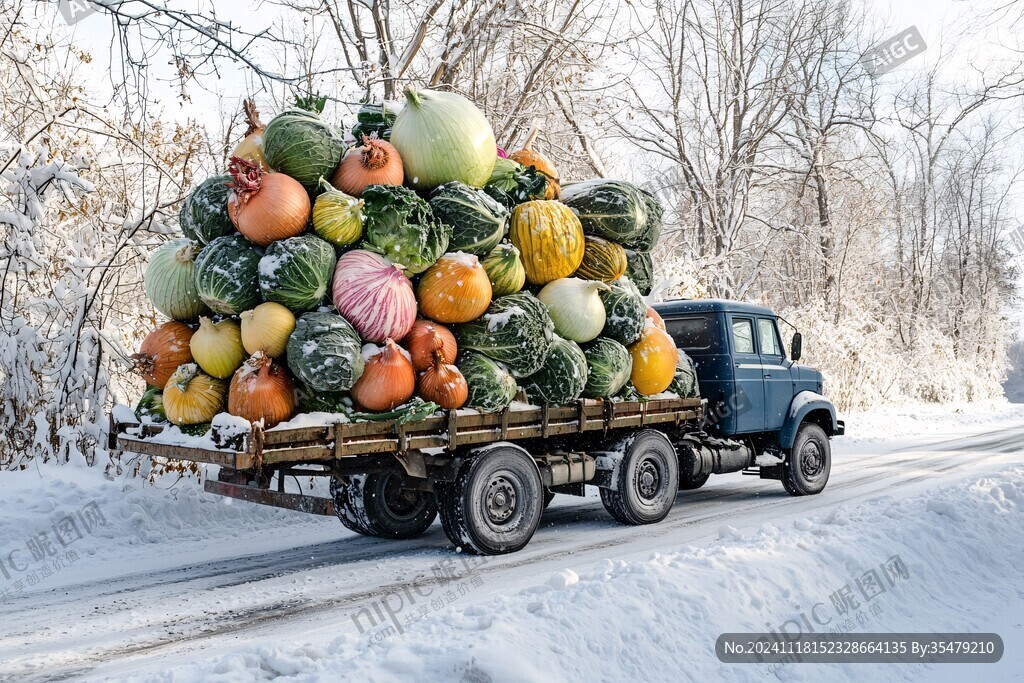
[{"x": 796, "y": 349}]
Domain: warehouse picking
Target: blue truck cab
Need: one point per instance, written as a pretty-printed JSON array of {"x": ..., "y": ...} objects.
[{"x": 760, "y": 400}]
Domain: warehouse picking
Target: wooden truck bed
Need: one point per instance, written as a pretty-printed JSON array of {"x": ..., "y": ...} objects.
[{"x": 328, "y": 443}]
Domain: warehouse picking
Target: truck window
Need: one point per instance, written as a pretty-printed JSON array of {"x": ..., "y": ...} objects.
[
  {"x": 743, "y": 335},
  {"x": 693, "y": 333},
  {"x": 768, "y": 338}
]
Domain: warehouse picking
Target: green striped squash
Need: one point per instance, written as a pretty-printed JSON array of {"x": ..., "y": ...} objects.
[
  {"x": 504, "y": 269},
  {"x": 550, "y": 238},
  {"x": 170, "y": 280},
  {"x": 602, "y": 260}
]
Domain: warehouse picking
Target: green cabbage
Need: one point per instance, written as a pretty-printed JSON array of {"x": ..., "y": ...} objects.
[
  {"x": 511, "y": 183},
  {"x": 562, "y": 377},
  {"x": 478, "y": 222},
  {"x": 296, "y": 272},
  {"x": 325, "y": 352},
  {"x": 640, "y": 270},
  {"x": 402, "y": 227},
  {"x": 204, "y": 214},
  {"x": 300, "y": 144},
  {"x": 151, "y": 406},
  {"x": 684, "y": 382},
  {"x": 609, "y": 365},
  {"x": 491, "y": 386},
  {"x": 516, "y": 331},
  {"x": 625, "y": 312},
  {"x": 617, "y": 211},
  {"x": 227, "y": 275}
]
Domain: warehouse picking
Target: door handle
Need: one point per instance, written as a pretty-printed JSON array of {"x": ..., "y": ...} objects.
[{"x": 767, "y": 376}]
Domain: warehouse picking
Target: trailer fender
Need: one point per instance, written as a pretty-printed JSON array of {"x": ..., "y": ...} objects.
[{"x": 808, "y": 406}]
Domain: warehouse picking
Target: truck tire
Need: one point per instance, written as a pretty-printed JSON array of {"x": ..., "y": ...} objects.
[
  {"x": 809, "y": 462},
  {"x": 376, "y": 505},
  {"x": 646, "y": 481},
  {"x": 494, "y": 505}
]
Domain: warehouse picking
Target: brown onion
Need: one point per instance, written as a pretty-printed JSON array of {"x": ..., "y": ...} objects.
[
  {"x": 420, "y": 342},
  {"x": 163, "y": 350},
  {"x": 388, "y": 378},
  {"x": 443, "y": 383},
  {"x": 266, "y": 207},
  {"x": 375, "y": 162},
  {"x": 262, "y": 390}
]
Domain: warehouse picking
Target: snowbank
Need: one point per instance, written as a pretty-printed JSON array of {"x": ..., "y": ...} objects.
[{"x": 954, "y": 562}]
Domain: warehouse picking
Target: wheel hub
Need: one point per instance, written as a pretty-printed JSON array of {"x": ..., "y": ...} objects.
[
  {"x": 500, "y": 501},
  {"x": 400, "y": 502},
  {"x": 811, "y": 460},
  {"x": 648, "y": 480}
]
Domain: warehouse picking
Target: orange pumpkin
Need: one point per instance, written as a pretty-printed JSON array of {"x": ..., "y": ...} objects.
[
  {"x": 654, "y": 361},
  {"x": 456, "y": 289},
  {"x": 527, "y": 156}
]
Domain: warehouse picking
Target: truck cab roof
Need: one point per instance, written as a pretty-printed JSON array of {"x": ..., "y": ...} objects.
[{"x": 710, "y": 306}]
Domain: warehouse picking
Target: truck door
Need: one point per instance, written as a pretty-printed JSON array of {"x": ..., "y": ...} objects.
[
  {"x": 778, "y": 380},
  {"x": 748, "y": 398}
]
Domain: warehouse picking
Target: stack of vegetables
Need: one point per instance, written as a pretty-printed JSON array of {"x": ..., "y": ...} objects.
[{"x": 419, "y": 268}]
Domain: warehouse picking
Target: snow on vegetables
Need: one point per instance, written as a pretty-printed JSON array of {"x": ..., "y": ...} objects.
[
  {"x": 561, "y": 378},
  {"x": 402, "y": 227},
  {"x": 455, "y": 289},
  {"x": 478, "y": 222},
  {"x": 490, "y": 386},
  {"x": 550, "y": 239},
  {"x": 266, "y": 206},
  {"x": 204, "y": 214},
  {"x": 170, "y": 280},
  {"x": 625, "y": 312},
  {"x": 609, "y": 366},
  {"x": 325, "y": 352},
  {"x": 516, "y": 331},
  {"x": 441, "y": 137},
  {"x": 191, "y": 397},
  {"x": 374, "y": 295},
  {"x": 617, "y": 211},
  {"x": 296, "y": 272},
  {"x": 504, "y": 269},
  {"x": 227, "y": 274},
  {"x": 262, "y": 391}
]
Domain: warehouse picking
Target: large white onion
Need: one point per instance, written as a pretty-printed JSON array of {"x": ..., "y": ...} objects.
[
  {"x": 442, "y": 136},
  {"x": 374, "y": 295},
  {"x": 575, "y": 307}
]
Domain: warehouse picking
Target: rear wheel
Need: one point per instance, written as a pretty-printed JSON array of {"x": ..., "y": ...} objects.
[
  {"x": 646, "y": 482},
  {"x": 377, "y": 505},
  {"x": 806, "y": 469},
  {"x": 494, "y": 505}
]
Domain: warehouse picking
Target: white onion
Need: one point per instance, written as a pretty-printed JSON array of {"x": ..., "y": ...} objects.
[{"x": 575, "y": 307}]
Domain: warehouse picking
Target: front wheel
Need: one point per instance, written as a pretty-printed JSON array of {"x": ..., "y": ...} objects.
[
  {"x": 806, "y": 469},
  {"x": 377, "y": 505},
  {"x": 646, "y": 481},
  {"x": 494, "y": 505}
]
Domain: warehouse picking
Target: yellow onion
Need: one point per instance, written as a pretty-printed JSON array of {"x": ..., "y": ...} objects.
[
  {"x": 337, "y": 217},
  {"x": 262, "y": 390},
  {"x": 443, "y": 383},
  {"x": 217, "y": 347},
  {"x": 163, "y": 350},
  {"x": 266, "y": 207},
  {"x": 420, "y": 342},
  {"x": 375, "y": 162},
  {"x": 266, "y": 328},
  {"x": 192, "y": 397},
  {"x": 250, "y": 147},
  {"x": 388, "y": 378}
]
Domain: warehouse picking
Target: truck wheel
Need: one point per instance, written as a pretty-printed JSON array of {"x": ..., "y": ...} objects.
[
  {"x": 805, "y": 472},
  {"x": 646, "y": 482},
  {"x": 376, "y": 505},
  {"x": 493, "y": 507}
]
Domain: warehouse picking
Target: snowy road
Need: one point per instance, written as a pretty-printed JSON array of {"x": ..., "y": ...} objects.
[{"x": 130, "y": 621}]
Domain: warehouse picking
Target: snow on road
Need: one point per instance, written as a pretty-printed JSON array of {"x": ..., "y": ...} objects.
[{"x": 178, "y": 585}]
